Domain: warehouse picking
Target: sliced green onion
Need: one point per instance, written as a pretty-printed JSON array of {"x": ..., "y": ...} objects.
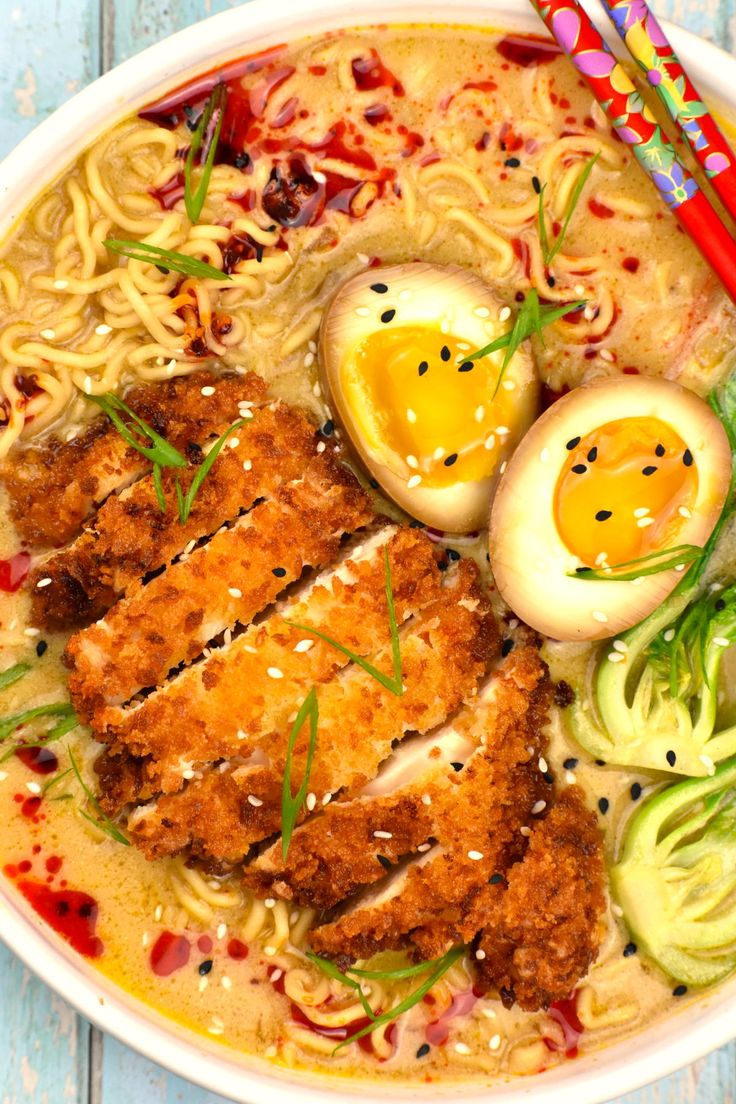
[
  {"x": 194, "y": 198},
  {"x": 58, "y": 777},
  {"x": 662, "y": 560},
  {"x": 184, "y": 502},
  {"x": 550, "y": 254},
  {"x": 13, "y": 674},
  {"x": 8, "y": 725},
  {"x": 394, "y": 684},
  {"x": 331, "y": 970},
  {"x": 165, "y": 258},
  {"x": 159, "y": 488},
  {"x": 291, "y": 806},
  {"x": 160, "y": 451},
  {"x": 101, "y": 821}
]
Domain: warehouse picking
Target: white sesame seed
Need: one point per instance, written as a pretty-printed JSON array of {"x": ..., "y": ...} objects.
[
  {"x": 215, "y": 1029},
  {"x": 570, "y": 778},
  {"x": 312, "y": 346},
  {"x": 413, "y": 481},
  {"x": 488, "y": 1013},
  {"x": 668, "y": 636},
  {"x": 31, "y": 632},
  {"x": 221, "y": 931},
  {"x": 721, "y": 642},
  {"x": 598, "y": 615},
  {"x": 171, "y": 367},
  {"x": 504, "y": 314},
  {"x": 462, "y": 1048},
  {"x": 61, "y": 285},
  {"x": 309, "y": 360},
  {"x": 317, "y": 390},
  {"x": 620, "y": 646},
  {"x": 424, "y": 847},
  {"x": 684, "y": 512},
  {"x": 234, "y": 442},
  {"x": 475, "y": 855},
  {"x": 207, "y": 391},
  {"x": 46, "y": 581},
  {"x": 544, "y": 455},
  {"x": 538, "y": 807},
  {"x": 617, "y": 910},
  {"x": 277, "y": 975},
  {"x": 158, "y": 912},
  {"x": 480, "y": 413},
  {"x": 412, "y": 461},
  {"x": 579, "y": 290},
  {"x": 270, "y": 951},
  {"x": 311, "y": 801},
  {"x": 327, "y": 799},
  {"x": 203, "y": 983},
  {"x": 33, "y": 787},
  {"x": 321, "y": 446},
  {"x": 480, "y": 954},
  {"x": 103, "y": 329},
  {"x": 383, "y": 835},
  {"x": 645, "y": 522},
  {"x": 254, "y": 801},
  {"x": 226, "y": 983},
  {"x": 490, "y": 442},
  {"x": 542, "y": 764},
  {"x": 616, "y": 657},
  {"x": 270, "y": 902},
  {"x": 362, "y": 312},
  {"x": 494, "y": 1042},
  {"x": 708, "y": 764},
  {"x": 363, "y": 258},
  {"x": 508, "y": 385},
  {"x": 606, "y": 354},
  {"x": 525, "y": 831},
  {"x": 641, "y": 511},
  {"x": 235, "y": 592},
  {"x": 275, "y": 673},
  {"x": 303, "y": 645},
  {"x": 426, "y": 799},
  {"x": 503, "y": 467},
  {"x": 87, "y": 386},
  {"x": 3, "y": 775},
  {"x": 411, "y": 416},
  {"x": 502, "y": 431},
  {"x": 481, "y": 312},
  {"x": 188, "y": 773},
  {"x": 438, "y": 453},
  {"x": 444, "y": 326},
  {"x": 48, "y": 335},
  {"x": 272, "y": 1051},
  {"x": 590, "y": 312}
]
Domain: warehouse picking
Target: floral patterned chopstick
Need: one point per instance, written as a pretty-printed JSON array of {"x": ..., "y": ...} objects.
[
  {"x": 651, "y": 50},
  {"x": 635, "y": 124}
]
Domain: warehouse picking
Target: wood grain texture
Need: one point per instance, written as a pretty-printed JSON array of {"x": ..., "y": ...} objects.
[{"x": 48, "y": 1055}]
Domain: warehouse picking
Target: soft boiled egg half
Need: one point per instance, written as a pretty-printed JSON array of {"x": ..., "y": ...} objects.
[
  {"x": 432, "y": 427},
  {"x": 615, "y": 471}
]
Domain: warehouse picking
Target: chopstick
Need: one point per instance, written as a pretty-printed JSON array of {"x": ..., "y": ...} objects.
[
  {"x": 632, "y": 120},
  {"x": 651, "y": 50}
]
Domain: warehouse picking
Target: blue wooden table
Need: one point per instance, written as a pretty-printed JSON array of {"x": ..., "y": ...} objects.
[{"x": 48, "y": 1054}]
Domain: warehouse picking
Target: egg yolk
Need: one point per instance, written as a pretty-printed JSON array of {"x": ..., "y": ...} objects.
[
  {"x": 625, "y": 491},
  {"x": 413, "y": 394}
]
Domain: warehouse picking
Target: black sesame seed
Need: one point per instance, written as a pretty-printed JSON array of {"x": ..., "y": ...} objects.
[
  {"x": 388, "y": 316},
  {"x": 679, "y": 991},
  {"x": 374, "y": 484},
  {"x": 593, "y": 455},
  {"x": 603, "y": 805},
  {"x": 603, "y": 515},
  {"x": 279, "y": 572},
  {"x": 205, "y": 967},
  {"x": 579, "y": 469},
  {"x": 450, "y": 460},
  {"x": 650, "y": 469},
  {"x": 720, "y": 605},
  {"x": 506, "y": 646},
  {"x": 551, "y": 281},
  {"x": 548, "y": 777},
  {"x": 385, "y": 863},
  {"x": 536, "y": 185},
  {"x": 414, "y": 524},
  {"x": 495, "y": 879},
  {"x": 573, "y": 444},
  {"x": 512, "y": 162},
  {"x": 671, "y": 758},
  {"x": 423, "y": 1050},
  {"x": 242, "y": 161},
  {"x": 452, "y": 554},
  {"x": 660, "y": 450},
  {"x": 380, "y": 289},
  {"x": 466, "y": 366},
  {"x": 635, "y": 791},
  {"x": 423, "y": 367},
  {"x": 687, "y": 458},
  {"x": 445, "y": 353},
  {"x": 457, "y": 767},
  {"x": 328, "y": 428},
  {"x": 570, "y": 764},
  {"x": 629, "y": 950},
  {"x": 600, "y": 762},
  {"x": 41, "y": 648}
]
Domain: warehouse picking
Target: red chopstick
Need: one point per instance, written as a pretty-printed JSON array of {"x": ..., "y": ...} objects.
[
  {"x": 636, "y": 126},
  {"x": 651, "y": 50}
]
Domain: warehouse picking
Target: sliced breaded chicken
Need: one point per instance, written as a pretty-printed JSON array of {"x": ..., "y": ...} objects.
[
  {"x": 232, "y": 702},
  {"x": 351, "y": 844},
  {"x": 131, "y": 536},
  {"x": 224, "y": 582},
  {"x": 480, "y": 826},
  {"x": 445, "y": 652},
  {"x": 54, "y": 487},
  {"x": 545, "y": 929}
]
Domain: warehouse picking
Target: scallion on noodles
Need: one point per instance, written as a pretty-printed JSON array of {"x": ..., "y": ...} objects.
[{"x": 166, "y": 259}]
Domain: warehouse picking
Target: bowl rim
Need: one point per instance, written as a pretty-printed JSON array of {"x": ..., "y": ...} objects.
[{"x": 673, "y": 1042}]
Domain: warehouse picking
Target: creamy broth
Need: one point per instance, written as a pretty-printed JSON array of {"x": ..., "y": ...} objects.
[{"x": 445, "y": 171}]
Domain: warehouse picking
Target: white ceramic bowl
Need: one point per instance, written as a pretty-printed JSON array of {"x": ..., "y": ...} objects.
[{"x": 681, "y": 1038}]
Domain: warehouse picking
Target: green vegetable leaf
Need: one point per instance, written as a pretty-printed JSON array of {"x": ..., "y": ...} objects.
[
  {"x": 394, "y": 684},
  {"x": 54, "y": 781},
  {"x": 167, "y": 259},
  {"x": 101, "y": 821},
  {"x": 159, "y": 451},
  {"x": 330, "y": 969},
  {"x": 13, "y": 674},
  {"x": 550, "y": 254},
  {"x": 159, "y": 488},
  {"x": 185, "y": 501},
  {"x": 290, "y": 806},
  {"x": 439, "y": 968},
  {"x": 194, "y": 198},
  {"x": 664, "y": 559},
  {"x": 8, "y": 725}
]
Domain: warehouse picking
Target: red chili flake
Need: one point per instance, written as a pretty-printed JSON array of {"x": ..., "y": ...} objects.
[
  {"x": 14, "y": 571},
  {"x": 169, "y": 953},
  {"x": 600, "y": 210},
  {"x": 370, "y": 72},
  {"x": 377, "y": 113},
  {"x": 630, "y": 370},
  {"x": 631, "y": 264},
  {"x": 318, "y": 70},
  {"x": 69, "y": 912},
  {"x": 237, "y": 950}
]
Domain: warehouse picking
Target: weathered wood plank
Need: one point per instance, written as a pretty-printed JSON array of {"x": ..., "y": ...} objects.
[
  {"x": 44, "y": 1054},
  {"x": 121, "y": 1068}
]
